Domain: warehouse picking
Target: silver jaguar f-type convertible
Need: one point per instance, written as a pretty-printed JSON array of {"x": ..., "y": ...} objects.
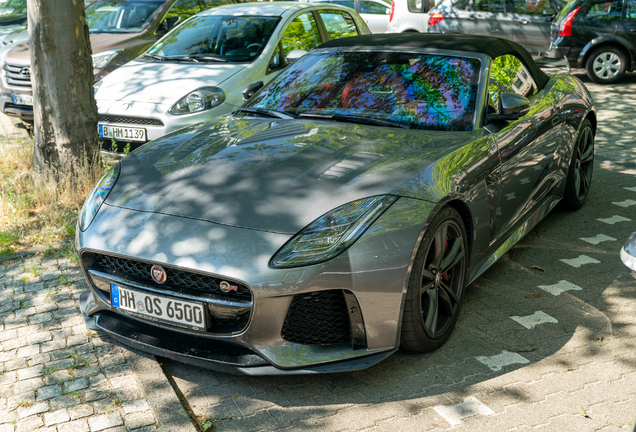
[{"x": 341, "y": 213}]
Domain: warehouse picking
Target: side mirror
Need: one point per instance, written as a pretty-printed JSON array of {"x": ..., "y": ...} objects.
[
  {"x": 628, "y": 254},
  {"x": 549, "y": 12},
  {"x": 168, "y": 24},
  {"x": 294, "y": 55},
  {"x": 513, "y": 106},
  {"x": 252, "y": 88}
]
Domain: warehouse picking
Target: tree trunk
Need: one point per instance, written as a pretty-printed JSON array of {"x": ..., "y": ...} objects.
[{"x": 64, "y": 109}]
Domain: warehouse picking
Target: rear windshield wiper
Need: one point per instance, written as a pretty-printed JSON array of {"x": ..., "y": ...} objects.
[
  {"x": 358, "y": 119},
  {"x": 269, "y": 113}
]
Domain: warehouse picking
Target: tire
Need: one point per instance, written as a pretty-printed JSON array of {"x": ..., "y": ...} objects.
[
  {"x": 606, "y": 65},
  {"x": 579, "y": 177},
  {"x": 437, "y": 283}
]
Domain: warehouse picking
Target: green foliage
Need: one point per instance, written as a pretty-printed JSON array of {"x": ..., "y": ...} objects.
[{"x": 126, "y": 149}]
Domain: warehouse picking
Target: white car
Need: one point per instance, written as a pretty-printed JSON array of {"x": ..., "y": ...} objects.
[
  {"x": 200, "y": 69},
  {"x": 374, "y": 12},
  {"x": 409, "y": 16}
]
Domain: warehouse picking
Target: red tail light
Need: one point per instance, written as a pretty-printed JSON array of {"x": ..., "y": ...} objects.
[
  {"x": 392, "y": 10},
  {"x": 435, "y": 18},
  {"x": 565, "y": 26}
]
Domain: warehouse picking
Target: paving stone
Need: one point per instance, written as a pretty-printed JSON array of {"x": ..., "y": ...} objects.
[
  {"x": 65, "y": 401},
  {"x": 135, "y": 406},
  {"x": 29, "y": 424},
  {"x": 39, "y": 337},
  {"x": 80, "y": 411},
  {"x": 75, "y": 385},
  {"x": 139, "y": 419},
  {"x": 49, "y": 391},
  {"x": 123, "y": 381},
  {"x": 36, "y": 408},
  {"x": 55, "y": 417},
  {"x": 74, "y": 426},
  {"x": 105, "y": 421}
]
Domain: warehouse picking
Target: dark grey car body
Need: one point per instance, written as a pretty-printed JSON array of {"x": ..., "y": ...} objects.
[
  {"x": 219, "y": 199},
  {"x": 515, "y": 20}
]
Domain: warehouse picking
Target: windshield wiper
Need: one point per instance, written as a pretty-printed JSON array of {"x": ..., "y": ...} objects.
[
  {"x": 155, "y": 57},
  {"x": 206, "y": 58},
  {"x": 357, "y": 119},
  {"x": 270, "y": 113}
]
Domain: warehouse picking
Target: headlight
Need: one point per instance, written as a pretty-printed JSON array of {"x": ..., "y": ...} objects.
[
  {"x": 332, "y": 233},
  {"x": 201, "y": 99},
  {"x": 97, "y": 196},
  {"x": 96, "y": 86},
  {"x": 101, "y": 59}
]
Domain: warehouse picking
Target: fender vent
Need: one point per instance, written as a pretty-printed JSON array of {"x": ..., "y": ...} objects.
[{"x": 354, "y": 162}]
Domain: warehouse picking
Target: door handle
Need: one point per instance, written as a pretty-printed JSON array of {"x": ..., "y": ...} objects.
[
  {"x": 524, "y": 21},
  {"x": 472, "y": 18},
  {"x": 555, "y": 120}
]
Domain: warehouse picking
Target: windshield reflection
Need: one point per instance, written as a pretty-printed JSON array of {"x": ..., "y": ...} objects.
[
  {"x": 121, "y": 16},
  {"x": 233, "y": 38},
  {"x": 421, "y": 90}
]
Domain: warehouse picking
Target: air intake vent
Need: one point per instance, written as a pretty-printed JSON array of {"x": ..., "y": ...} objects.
[
  {"x": 350, "y": 164},
  {"x": 318, "y": 318}
]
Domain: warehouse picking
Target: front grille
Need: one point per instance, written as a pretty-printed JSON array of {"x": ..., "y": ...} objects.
[
  {"x": 140, "y": 271},
  {"x": 18, "y": 76},
  {"x": 106, "y": 118},
  {"x": 318, "y": 318}
]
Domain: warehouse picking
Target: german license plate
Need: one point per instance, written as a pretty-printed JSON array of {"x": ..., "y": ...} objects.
[
  {"x": 122, "y": 133},
  {"x": 179, "y": 313},
  {"x": 20, "y": 99}
]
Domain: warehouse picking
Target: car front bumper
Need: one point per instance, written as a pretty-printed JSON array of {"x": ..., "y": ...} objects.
[
  {"x": 628, "y": 255},
  {"x": 153, "y": 118},
  {"x": 371, "y": 274},
  {"x": 25, "y": 112}
]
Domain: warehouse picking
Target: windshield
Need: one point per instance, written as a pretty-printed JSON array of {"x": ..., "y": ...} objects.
[
  {"x": 418, "y": 90},
  {"x": 227, "y": 37},
  {"x": 121, "y": 16}
]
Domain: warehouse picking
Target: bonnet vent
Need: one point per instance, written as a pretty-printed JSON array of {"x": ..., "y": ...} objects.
[{"x": 350, "y": 164}]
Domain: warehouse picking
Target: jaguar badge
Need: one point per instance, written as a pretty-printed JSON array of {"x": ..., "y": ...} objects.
[
  {"x": 226, "y": 287},
  {"x": 158, "y": 274}
]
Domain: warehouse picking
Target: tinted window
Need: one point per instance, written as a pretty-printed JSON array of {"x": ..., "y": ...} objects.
[
  {"x": 347, "y": 3},
  {"x": 597, "y": 10},
  {"x": 463, "y": 4},
  {"x": 529, "y": 7},
  {"x": 302, "y": 33},
  {"x": 489, "y": 6},
  {"x": 630, "y": 13},
  {"x": 415, "y": 6},
  {"x": 422, "y": 90},
  {"x": 121, "y": 16},
  {"x": 338, "y": 24},
  {"x": 370, "y": 7}
]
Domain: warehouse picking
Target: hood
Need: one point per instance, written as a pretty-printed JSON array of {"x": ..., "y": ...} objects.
[
  {"x": 273, "y": 175},
  {"x": 107, "y": 41},
  {"x": 20, "y": 54},
  {"x": 162, "y": 83}
]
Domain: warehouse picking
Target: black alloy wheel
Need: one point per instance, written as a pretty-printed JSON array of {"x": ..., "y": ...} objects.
[
  {"x": 436, "y": 286},
  {"x": 581, "y": 168}
]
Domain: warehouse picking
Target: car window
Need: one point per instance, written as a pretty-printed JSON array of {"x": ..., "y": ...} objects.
[
  {"x": 421, "y": 90},
  {"x": 630, "y": 13},
  {"x": 184, "y": 9},
  {"x": 488, "y": 6},
  {"x": 117, "y": 16},
  {"x": 370, "y": 7},
  {"x": 509, "y": 74},
  {"x": 529, "y": 7},
  {"x": 415, "y": 6},
  {"x": 597, "y": 10},
  {"x": 347, "y": 3},
  {"x": 226, "y": 37},
  {"x": 338, "y": 24},
  {"x": 302, "y": 33}
]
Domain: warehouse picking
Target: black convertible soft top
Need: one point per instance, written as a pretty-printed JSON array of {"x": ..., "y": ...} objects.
[{"x": 489, "y": 45}]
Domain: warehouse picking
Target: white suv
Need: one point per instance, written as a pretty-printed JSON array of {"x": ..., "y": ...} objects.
[{"x": 409, "y": 15}]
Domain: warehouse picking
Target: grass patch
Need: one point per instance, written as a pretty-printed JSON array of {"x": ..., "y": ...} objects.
[{"x": 38, "y": 208}]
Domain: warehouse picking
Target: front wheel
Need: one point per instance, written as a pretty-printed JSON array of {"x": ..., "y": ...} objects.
[
  {"x": 437, "y": 283},
  {"x": 579, "y": 177},
  {"x": 606, "y": 65}
]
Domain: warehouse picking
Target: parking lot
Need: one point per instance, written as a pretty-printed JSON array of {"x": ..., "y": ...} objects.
[{"x": 545, "y": 340}]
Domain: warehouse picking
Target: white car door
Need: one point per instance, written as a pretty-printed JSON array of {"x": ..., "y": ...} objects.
[{"x": 376, "y": 14}]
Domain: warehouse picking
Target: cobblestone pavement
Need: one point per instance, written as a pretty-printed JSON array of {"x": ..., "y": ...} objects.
[
  {"x": 55, "y": 374},
  {"x": 549, "y": 348}
]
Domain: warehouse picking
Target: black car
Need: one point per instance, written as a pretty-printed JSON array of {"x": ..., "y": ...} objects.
[{"x": 598, "y": 35}]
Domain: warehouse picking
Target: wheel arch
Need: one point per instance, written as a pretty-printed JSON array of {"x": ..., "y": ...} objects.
[
  {"x": 466, "y": 215},
  {"x": 614, "y": 41},
  {"x": 591, "y": 116}
]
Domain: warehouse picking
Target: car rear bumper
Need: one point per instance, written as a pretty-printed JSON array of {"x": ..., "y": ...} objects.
[
  {"x": 556, "y": 53},
  {"x": 7, "y": 106}
]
